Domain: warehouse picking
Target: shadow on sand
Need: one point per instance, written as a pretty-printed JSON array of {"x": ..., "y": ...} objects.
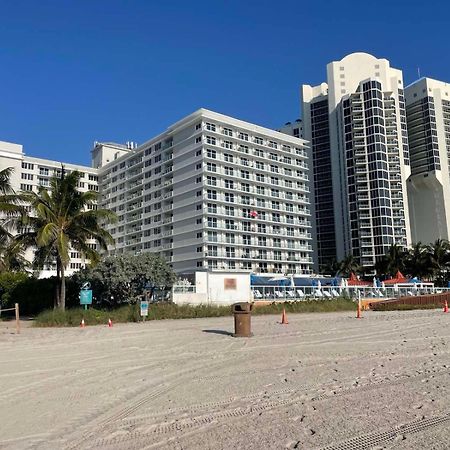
[{"x": 225, "y": 333}]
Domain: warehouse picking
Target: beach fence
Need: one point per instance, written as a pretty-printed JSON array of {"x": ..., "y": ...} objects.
[{"x": 16, "y": 309}]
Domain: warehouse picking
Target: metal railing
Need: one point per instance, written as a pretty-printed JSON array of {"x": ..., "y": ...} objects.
[{"x": 289, "y": 293}]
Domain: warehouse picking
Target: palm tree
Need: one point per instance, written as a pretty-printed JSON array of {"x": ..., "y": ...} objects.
[
  {"x": 10, "y": 210},
  {"x": 417, "y": 261},
  {"x": 392, "y": 262},
  {"x": 62, "y": 222},
  {"x": 348, "y": 265},
  {"x": 439, "y": 257}
]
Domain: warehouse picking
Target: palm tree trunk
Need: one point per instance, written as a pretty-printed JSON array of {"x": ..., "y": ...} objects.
[
  {"x": 62, "y": 297},
  {"x": 58, "y": 282}
]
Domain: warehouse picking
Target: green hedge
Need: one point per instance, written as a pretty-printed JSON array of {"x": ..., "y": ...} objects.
[{"x": 130, "y": 313}]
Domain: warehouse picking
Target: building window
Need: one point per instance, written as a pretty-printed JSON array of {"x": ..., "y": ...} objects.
[
  {"x": 227, "y": 132},
  {"x": 211, "y": 153},
  {"x": 210, "y": 126},
  {"x": 229, "y": 210},
  {"x": 211, "y": 140},
  {"x": 229, "y": 197}
]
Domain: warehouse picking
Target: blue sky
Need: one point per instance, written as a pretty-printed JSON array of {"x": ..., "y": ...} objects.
[{"x": 72, "y": 72}]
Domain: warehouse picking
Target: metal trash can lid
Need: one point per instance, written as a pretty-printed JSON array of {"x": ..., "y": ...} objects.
[{"x": 242, "y": 307}]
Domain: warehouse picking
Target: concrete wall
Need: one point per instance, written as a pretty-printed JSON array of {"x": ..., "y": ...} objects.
[{"x": 217, "y": 288}]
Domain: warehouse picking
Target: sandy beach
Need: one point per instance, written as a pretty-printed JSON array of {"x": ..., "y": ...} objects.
[{"x": 323, "y": 381}]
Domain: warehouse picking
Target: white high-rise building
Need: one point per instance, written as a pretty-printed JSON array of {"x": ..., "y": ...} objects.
[
  {"x": 428, "y": 115},
  {"x": 29, "y": 173},
  {"x": 356, "y": 123},
  {"x": 212, "y": 192}
]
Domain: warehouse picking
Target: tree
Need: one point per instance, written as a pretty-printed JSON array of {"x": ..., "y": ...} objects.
[
  {"x": 439, "y": 257},
  {"x": 417, "y": 261},
  {"x": 122, "y": 278},
  {"x": 392, "y": 262},
  {"x": 10, "y": 210},
  {"x": 348, "y": 265},
  {"x": 331, "y": 267},
  {"x": 64, "y": 219}
]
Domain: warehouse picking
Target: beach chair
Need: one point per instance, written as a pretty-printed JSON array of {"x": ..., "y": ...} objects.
[
  {"x": 327, "y": 294},
  {"x": 257, "y": 294},
  {"x": 279, "y": 294},
  {"x": 300, "y": 294},
  {"x": 334, "y": 293},
  {"x": 317, "y": 293}
]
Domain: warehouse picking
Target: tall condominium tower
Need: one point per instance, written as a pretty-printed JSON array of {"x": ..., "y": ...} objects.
[
  {"x": 212, "y": 192},
  {"x": 317, "y": 132},
  {"x": 428, "y": 115},
  {"x": 361, "y": 162}
]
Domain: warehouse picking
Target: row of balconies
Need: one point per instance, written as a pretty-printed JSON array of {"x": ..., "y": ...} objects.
[
  {"x": 280, "y": 147},
  {"x": 252, "y": 177},
  {"x": 268, "y": 244},
  {"x": 257, "y": 256}
]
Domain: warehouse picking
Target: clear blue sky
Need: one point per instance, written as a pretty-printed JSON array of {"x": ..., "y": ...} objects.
[{"x": 72, "y": 72}]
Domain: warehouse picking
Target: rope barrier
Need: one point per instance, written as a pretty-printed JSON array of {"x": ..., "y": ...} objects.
[{"x": 16, "y": 309}]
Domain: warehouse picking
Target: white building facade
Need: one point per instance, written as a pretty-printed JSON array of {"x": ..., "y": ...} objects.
[
  {"x": 215, "y": 193},
  {"x": 428, "y": 114},
  {"x": 29, "y": 173},
  {"x": 363, "y": 160}
]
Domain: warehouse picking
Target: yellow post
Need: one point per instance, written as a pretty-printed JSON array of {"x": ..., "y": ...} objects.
[{"x": 16, "y": 305}]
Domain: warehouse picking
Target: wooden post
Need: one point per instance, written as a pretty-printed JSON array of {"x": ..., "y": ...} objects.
[{"x": 16, "y": 305}]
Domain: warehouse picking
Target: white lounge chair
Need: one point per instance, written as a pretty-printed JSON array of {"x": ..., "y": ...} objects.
[
  {"x": 300, "y": 293},
  {"x": 317, "y": 293},
  {"x": 290, "y": 294},
  {"x": 334, "y": 293},
  {"x": 257, "y": 294},
  {"x": 327, "y": 294},
  {"x": 279, "y": 294}
]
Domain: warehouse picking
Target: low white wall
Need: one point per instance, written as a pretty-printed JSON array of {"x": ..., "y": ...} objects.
[
  {"x": 217, "y": 288},
  {"x": 228, "y": 288},
  {"x": 190, "y": 298}
]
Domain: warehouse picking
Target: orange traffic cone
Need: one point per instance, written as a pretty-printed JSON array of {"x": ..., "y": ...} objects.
[
  {"x": 445, "y": 306},
  {"x": 82, "y": 323},
  {"x": 358, "y": 311},
  {"x": 109, "y": 323},
  {"x": 284, "y": 320}
]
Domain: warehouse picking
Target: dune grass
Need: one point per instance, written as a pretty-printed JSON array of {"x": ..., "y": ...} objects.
[{"x": 130, "y": 313}]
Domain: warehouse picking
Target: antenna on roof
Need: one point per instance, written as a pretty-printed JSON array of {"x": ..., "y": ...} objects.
[{"x": 418, "y": 71}]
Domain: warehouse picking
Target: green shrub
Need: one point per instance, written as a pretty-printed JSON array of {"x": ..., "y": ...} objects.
[
  {"x": 9, "y": 281},
  {"x": 160, "y": 311}
]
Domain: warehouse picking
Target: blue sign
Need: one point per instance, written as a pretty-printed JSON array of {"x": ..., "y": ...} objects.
[
  {"x": 86, "y": 297},
  {"x": 144, "y": 308}
]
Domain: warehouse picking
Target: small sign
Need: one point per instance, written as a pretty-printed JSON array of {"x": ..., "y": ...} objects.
[
  {"x": 144, "y": 308},
  {"x": 86, "y": 297},
  {"x": 229, "y": 284}
]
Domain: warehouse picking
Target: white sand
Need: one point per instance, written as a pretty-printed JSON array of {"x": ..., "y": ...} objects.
[{"x": 324, "y": 380}]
